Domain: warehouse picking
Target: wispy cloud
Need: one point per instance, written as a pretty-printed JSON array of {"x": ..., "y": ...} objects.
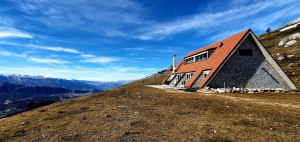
[
  {"x": 50, "y": 48},
  {"x": 100, "y": 59},
  {"x": 87, "y": 55},
  {"x": 271, "y": 20},
  {"x": 32, "y": 59},
  {"x": 207, "y": 20},
  {"x": 53, "y": 48},
  {"x": 6, "y": 32},
  {"x": 67, "y": 14},
  {"x": 10, "y": 54},
  {"x": 223, "y": 35},
  {"x": 135, "y": 49},
  {"x": 47, "y": 61},
  {"x": 166, "y": 49},
  {"x": 131, "y": 22},
  {"x": 88, "y": 58}
]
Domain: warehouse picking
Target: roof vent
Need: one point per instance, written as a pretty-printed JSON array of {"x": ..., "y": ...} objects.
[{"x": 221, "y": 43}]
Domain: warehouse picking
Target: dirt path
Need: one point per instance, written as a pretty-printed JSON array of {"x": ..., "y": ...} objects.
[
  {"x": 255, "y": 101},
  {"x": 259, "y": 101}
]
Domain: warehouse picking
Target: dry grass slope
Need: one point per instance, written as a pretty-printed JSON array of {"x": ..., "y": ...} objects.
[{"x": 135, "y": 112}]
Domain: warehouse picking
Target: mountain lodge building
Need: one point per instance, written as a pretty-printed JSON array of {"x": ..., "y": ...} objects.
[{"x": 239, "y": 61}]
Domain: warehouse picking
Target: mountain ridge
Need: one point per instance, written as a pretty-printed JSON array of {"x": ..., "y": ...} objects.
[
  {"x": 21, "y": 90},
  {"x": 58, "y": 82},
  {"x": 14, "y": 98}
]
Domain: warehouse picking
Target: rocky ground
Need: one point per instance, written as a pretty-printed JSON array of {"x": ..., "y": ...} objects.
[{"x": 284, "y": 46}]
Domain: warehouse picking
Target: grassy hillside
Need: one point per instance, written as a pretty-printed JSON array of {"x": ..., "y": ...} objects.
[
  {"x": 291, "y": 65},
  {"x": 135, "y": 112}
]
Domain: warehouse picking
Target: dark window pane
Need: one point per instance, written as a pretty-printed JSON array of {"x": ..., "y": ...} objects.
[{"x": 245, "y": 52}]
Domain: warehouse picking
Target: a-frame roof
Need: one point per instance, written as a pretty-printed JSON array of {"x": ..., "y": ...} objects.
[
  {"x": 213, "y": 62},
  {"x": 219, "y": 56}
]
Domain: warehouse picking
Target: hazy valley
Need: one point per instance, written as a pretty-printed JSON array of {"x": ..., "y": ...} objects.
[{"x": 19, "y": 93}]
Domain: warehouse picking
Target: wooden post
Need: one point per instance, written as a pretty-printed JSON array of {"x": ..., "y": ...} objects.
[
  {"x": 241, "y": 88},
  {"x": 224, "y": 87}
]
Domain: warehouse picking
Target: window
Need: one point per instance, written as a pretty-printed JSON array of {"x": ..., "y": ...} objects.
[
  {"x": 195, "y": 58},
  {"x": 245, "y": 52},
  {"x": 177, "y": 78},
  {"x": 189, "y": 60},
  {"x": 205, "y": 73},
  {"x": 188, "y": 76},
  {"x": 201, "y": 57},
  {"x": 204, "y": 56}
]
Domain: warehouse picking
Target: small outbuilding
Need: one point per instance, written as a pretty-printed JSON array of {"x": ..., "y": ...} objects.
[{"x": 238, "y": 61}]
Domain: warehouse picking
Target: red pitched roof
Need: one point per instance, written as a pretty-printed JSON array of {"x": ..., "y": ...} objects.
[{"x": 213, "y": 62}]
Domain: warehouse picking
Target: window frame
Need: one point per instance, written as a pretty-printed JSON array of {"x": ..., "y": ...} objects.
[{"x": 191, "y": 59}]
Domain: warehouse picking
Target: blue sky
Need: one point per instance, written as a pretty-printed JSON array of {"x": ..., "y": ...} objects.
[{"x": 109, "y": 40}]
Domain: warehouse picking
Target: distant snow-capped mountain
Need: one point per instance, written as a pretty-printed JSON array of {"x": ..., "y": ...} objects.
[
  {"x": 62, "y": 83},
  {"x": 14, "y": 98},
  {"x": 107, "y": 85},
  {"x": 19, "y": 93}
]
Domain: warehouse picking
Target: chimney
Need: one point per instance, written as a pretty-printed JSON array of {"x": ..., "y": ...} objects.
[
  {"x": 174, "y": 63},
  {"x": 220, "y": 43}
]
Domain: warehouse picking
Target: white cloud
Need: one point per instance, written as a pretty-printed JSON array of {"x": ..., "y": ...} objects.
[
  {"x": 100, "y": 60},
  {"x": 10, "y": 54},
  {"x": 271, "y": 20},
  {"x": 223, "y": 35},
  {"x": 8, "y": 30},
  {"x": 47, "y": 61},
  {"x": 68, "y": 14},
  {"x": 131, "y": 21},
  {"x": 123, "y": 69},
  {"x": 32, "y": 59},
  {"x": 13, "y": 33},
  {"x": 53, "y": 48},
  {"x": 208, "y": 20},
  {"x": 135, "y": 49},
  {"x": 166, "y": 49},
  {"x": 88, "y": 58},
  {"x": 87, "y": 55}
]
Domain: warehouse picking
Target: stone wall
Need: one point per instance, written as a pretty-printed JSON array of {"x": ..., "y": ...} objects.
[{"x": 248, "y": 71}]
